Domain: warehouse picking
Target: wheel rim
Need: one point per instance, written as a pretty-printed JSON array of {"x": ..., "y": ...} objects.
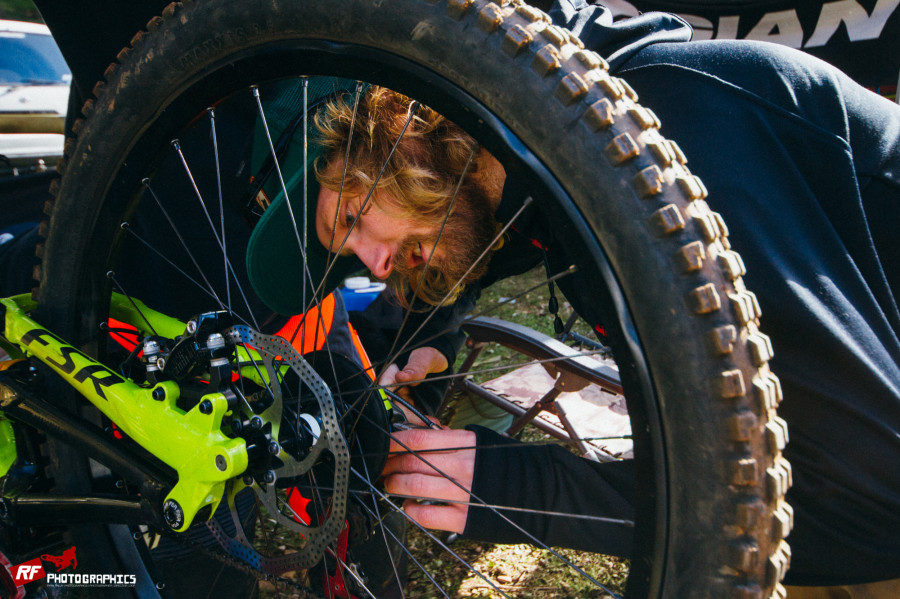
[{"x": 465, "y": 110}]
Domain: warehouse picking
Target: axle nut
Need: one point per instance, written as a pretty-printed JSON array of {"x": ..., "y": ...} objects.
[{"x": 173, "y": 514}]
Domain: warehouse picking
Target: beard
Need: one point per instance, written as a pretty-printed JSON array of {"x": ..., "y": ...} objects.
[{"x": 461, "y": 256}]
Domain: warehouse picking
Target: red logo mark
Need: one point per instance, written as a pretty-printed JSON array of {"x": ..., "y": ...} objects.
[
  {"x": 27, "y": 572},
  {"x": 62, "y": 561}
]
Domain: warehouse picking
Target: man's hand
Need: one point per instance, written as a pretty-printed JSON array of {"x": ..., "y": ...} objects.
[
  {"x": 439, "y": 454},
  {"x": 422, "y": 362}
]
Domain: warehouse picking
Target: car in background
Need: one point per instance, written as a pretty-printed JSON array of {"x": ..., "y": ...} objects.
[{"x": 34, "y": 93}]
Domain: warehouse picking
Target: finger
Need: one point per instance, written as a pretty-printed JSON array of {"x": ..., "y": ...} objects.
[
  {"x": 451, "y": 517},
  {"x": 430, "y": 440},
  {"x": 431, "y": 488},
  {"x": 389, "y": 376},
  {"x": 457, "y": 464},
  {"x": 422, "y": 362},
  {"x": 410, "y": 375}
]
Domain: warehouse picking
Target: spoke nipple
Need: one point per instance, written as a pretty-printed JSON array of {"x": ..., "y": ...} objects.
[
  {"x": 124, "y": 226},
  {"x": 176, "y": 144},
  {"x": 145, "y": 181},
  {"x": 137, "y": 536},
  {"x": 206, "y": 407},
  {"x": 110, "y": 274},
  {"x": 160, "y": 586}
]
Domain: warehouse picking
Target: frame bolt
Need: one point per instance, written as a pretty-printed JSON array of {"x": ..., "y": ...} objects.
[
  {"x": 256, "y": 423},
  {"x": 159, "y": 394},
  {"x": 215, "y": 341},
  {"x": 248, "y": 479},
  {"x": 173, "y": 514},
  {"x": 206, "y": 407},
  {"x": 274, "y": 448},
  {"x": 269, "y": 477},
  {"x": 221, "y": 463}
]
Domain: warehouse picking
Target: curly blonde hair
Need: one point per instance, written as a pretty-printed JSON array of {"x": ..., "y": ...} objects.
[{"x": 423, "y": 175}]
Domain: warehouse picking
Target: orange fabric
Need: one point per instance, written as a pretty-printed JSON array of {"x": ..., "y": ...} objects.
[
  {"x": 307, "y": 332},
  {"x": 363, "y": 356}
]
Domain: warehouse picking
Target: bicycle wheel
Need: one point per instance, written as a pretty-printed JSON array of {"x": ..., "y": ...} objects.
[{"x": 710, "y": 479}]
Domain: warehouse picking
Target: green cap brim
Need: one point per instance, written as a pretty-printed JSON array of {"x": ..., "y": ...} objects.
[{"x": 275, "y": 261}]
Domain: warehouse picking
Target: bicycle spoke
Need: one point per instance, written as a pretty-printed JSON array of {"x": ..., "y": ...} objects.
[
  {"x": 430, "y": 535},
  {"x": 449, "y": 294},
  {"x": 212, "y": 126},
  {"x": 209, "y": 286},
  {"x": 261, "y": 380},
  {"x": 296, "y": 229},
  {"x": 111, "y": 275},
  {"x": 221, "y": 242},
  {"x": 414, "y": 107}
]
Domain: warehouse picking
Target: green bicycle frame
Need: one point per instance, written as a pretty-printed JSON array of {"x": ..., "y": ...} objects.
[{"x": 191, "y": 442}]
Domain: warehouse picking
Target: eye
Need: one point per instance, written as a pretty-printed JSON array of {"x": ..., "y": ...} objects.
[{"x": 349, "y": 217}]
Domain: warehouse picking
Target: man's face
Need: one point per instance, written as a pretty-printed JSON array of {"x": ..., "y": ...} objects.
[{"x": 382, "y": 238}]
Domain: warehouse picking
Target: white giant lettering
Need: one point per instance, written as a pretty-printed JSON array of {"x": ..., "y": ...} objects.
[
  {"x": 860, "y": 25},
  {"x": 782, "y": 27}
]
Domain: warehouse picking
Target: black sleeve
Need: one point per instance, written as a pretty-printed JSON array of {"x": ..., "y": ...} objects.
[
  {"x": 817, "y": 232},
  {"x": 548, "y": 478}
]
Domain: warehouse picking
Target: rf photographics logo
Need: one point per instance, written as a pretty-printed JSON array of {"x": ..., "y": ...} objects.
[{"x": 63, "y": 572}]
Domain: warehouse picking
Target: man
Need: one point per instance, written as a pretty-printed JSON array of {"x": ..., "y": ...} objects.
[
  {"x": 750, "y": 97},
  {"x": 822, "y": 254}
]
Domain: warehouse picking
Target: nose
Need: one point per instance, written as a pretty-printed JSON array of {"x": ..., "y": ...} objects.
[{"x": 377, "y": 257}]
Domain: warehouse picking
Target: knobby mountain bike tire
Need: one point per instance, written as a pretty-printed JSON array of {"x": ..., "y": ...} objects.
[{"x": 653, "y": 261}]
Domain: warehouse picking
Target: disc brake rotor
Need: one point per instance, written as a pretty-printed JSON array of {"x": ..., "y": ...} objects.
[{"x": 278, "y": 357}]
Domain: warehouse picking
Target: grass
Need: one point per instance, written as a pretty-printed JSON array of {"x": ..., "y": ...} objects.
[{"x": 519, "y": 571}]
